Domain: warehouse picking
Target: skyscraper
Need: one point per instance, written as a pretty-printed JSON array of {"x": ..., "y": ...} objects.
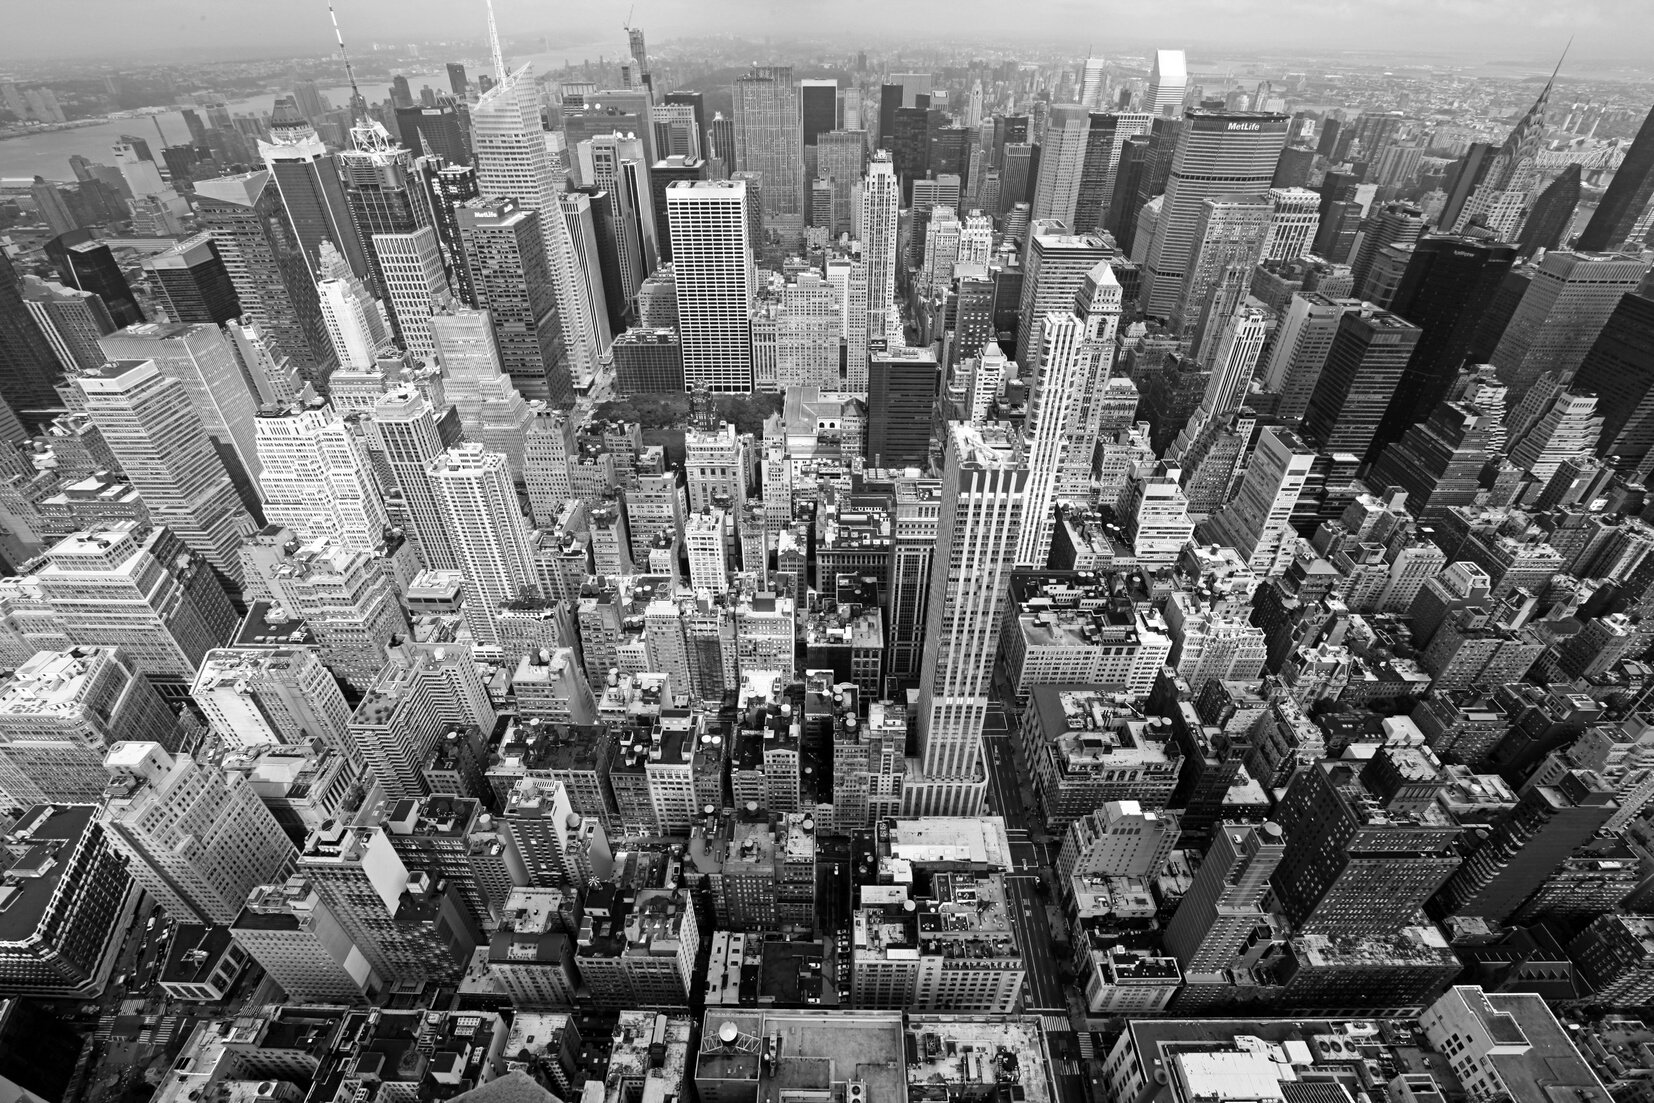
[
  {"x": 486, "y": 529},
  {"x": 384, "y": 194},
  {"x": 1055, "y": 266},
  {"x": 1619, "y": 370},
  {"x": 150, "y": 425},
  {"x": 1106, "y": 137},
  {"x": 1256, "y": 522},
  {"x": 1395, "y": 224},
  {"x": 307, "y": 176},
  {"x": 902, "y": 385},
  {"x": 1552, "y": 214},
  {"x": 769, "y": 138},
  {"x": 416, "y": 285},
  {"x": 1626, "y": 203},
  {"x": 841, "y": 160},
  {"x": 1061, "y": 162},
  {"x": 317, "y": 478},
  {"x": 1561, "y": 313},
  {"x": 196, "y": 838},
  {"x": 354, "y": 324},
  {"x": 984, "y": 484},
  {"x": 713, "y": 262},
  {"x": 412, "y": 436},
  {"x": 1217, "y": 153},
  {"x": 1224, "y": 906},
  {"x": 1355, "y": 389},
  {"x": 505, "y": 252},
  {"x": 1229, "y": 235},
  {"x": 1168, "y": 84},
  {"x": 194, "y": 284},
  {"x": 28, "y": 369}
]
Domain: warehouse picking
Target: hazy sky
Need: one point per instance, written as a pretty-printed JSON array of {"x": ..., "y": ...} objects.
[{"x": 1492, "y": 30}]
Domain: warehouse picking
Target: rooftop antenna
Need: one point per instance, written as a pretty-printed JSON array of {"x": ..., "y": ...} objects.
[
  {"x": 357, "y": 103},
  {"x": 494, "y": 43}
]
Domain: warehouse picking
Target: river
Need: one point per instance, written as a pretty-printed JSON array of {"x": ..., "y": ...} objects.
[{"x": 23, "y": 158}]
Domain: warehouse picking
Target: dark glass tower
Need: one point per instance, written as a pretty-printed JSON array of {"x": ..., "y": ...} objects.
[
  {"x": 194, "y": 283},
  {"x": 1553, "y": 212},
  {"x": 1449, "y": 284},
  {"x": 440, "y": 130},
  {"x": 91, "y": 266},
  {"x": 1627, "y": 197},
  {"x": 456, "y": 78},
  {"x": 817, "y": 108},
  {"x": 451, "y": 187},
  {"x": 1620, "y": 370},
  {"x": 1364, "y": 367},
  {"x": 28, "y": 367},
  {"x": 890, "y": 98},
  {"x": 902, "y": 385}
]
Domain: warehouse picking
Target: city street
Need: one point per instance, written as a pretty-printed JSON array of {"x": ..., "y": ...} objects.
[
  {"x": 1030, "y": 858},
  {"x": 1044, "y": 991}
]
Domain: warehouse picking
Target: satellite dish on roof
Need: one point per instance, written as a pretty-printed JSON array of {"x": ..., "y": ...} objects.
[{"x": 727, "y": 1032}]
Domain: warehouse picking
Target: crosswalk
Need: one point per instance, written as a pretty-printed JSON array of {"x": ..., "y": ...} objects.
[
  {"x": 1056, "y": 1022},
  {"x": 1088, "y": 1045},
  {"x": 160, "y": 1034},
  {"x": 106, "y": 1027}
]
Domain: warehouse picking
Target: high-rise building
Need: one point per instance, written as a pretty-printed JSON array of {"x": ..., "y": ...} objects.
[
  {"x": 307, "y": 177},
  {"x": 769, "y": 139},
  {"x": 510, "y": 276},
  {"x": 513, "y": 161},
  {"x": 296, "y": 938},
  {"x": 902, "y": 387},
  {"x": 196, "y": 838},
  {"x": 1292, "y": 225},
  {"x": 1257, "y": 522},
  {"x": 1394, "y": 224},
  {"x": 1552, "y": 216},
  {"x": 354, "y": 323},
  {"x": 1626, "y": 203},
  {"x": 486, "y": 529},
  {"x": 259, "y": 697},
  {"x": 1619, "y": 370},
  {"x": 152, "y": 428},
  {"x": 1217, "y": 153},
  {"x": 1107, "y": 137},
  {"x": 318, "y": 479},
  {"x": 416, "y": 285},
  {"x": 273, "y": 281},
  {"x": 984, "y": 486},
  {"x": 880, "y": 229},
  {"x": 1055, "y": 266},
  {"x": 712, "y": 260},
  {"x": 28, "y": 369},
  {"x": 90, "y": 265},
  {"x": 193, "y": 282},
  {"x": 412, "y": 433},
  {"x": 70, "y": 319},
  {"x": 841, "y": 160},
  {"x": 436, "y": 130},
  {"x": 1061, "y": 162},
  {"x": 1230, "y": 236},
  {"x": 1564, "y": 308},
  {"x": 1168, "y": 84},
  {"x": 1217, "y": 918},
  {"x": 1369, "y": 353}
]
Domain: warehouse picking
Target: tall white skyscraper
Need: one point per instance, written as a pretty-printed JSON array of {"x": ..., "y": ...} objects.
[
  {"x": 976, "y": 239},
  {"x": 350, "y": 312},
  {"x": 1093, "y": 84},
  {"x": 941, "y": 249},
  {"x": 1061, "y": 162},
  {"x": 984, "y": 493},
  {"x": 486, "y": 528},
  {"x": 318, "y": 479},
  {"x": 407, "y": 428},
  {"x": 712, "y": 258},
  {"x": 415, "y": 283},
  {"x": 1168, "y": 83},
  {"x": 513, "y": 160},
  {"x": 1292, "y": 226},
  {"x": 881, "y": 200},
  {"x": 155, "y": 433},
  {"x": 1076, "y": 355},
  {"x": 1257, "y": 522},
  {"x": 197, "y": 839}
]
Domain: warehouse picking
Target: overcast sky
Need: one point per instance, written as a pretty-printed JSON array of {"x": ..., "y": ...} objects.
[{"x": 1492, "y": 30}]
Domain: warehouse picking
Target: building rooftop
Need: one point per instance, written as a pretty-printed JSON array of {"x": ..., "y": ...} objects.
[
  {"x": 972, "y": 1056},
  {"x": 812, "y": 1050},
  {"x": 39, "y": 847}
]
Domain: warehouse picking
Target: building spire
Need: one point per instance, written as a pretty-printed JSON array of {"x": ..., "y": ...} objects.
[
  {"x": 494, "y": 44},
  {"x": 358, "y": 105}
]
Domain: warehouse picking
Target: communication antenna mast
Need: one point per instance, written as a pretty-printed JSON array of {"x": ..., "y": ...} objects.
[
  {"x": 358, "y": 105},
  {"x": 494, "y": 43}
]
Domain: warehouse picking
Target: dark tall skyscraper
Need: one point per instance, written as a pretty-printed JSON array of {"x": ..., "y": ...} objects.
[
  {"x": 696, "y": 102},
  {"x": 1292, "y": 170},
  {"x": 1449, "y": 284},
  {"x": 440, "y": 130},
  {"x": 817, "y": 108},
  {"x": 384, "y": 196},
  {"x": 1369, "y": 354},
  {"x": 1329, "y": 137},
  {"x": 1628, "y": 196},
  {"x": 610, "y": 241},
  {"x": 451, "y": 187},
  {"x": 910, "y": 147},
  {"x": 1552, "y": 214},
  {"x": 307, "y": 177},
  {"x": 664, "y": 173},
  {"x": 890, "y": 99},
  {"x": 1016, "y": 178},
  {"x": 91, "y": 266},
  {"x": 194, "y": 284},
  {"x": 1128, "y": 177},
  {"x": 456, "y": 78},
  {"x": 28, "y": 367},
  {"x": 1619, "y": 369},
  {"x": 902, "y": 385},
  {"x": 506, "y": 254},
  {"x": 1465, "y": 175},
  {"x": 1395, "y": 224}
]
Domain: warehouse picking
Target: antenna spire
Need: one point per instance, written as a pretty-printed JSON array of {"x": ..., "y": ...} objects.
[
  {"x": 494, "y": 43},
  {"x": 358, "y": 105}
]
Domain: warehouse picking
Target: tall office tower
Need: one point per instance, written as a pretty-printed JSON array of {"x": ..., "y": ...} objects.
[
  {"x": 1296, "y": 214},
  {"x": 307, "y": 176},
  {"x": 273, "y": 281},
  {"x": 918, "y": 512},
  {"x": 307, "y": 98},
  {"x": 841, "y": 160},
  {"x": 257, "y": 697},
  {"x": 1094, "y": 83},
  {"x": 703, "y": 535},
  {"x": 1552, "y": 215},
  {"x": 902, "y": 387},
  {"x": 1065, "y": 407},
  {"x": 1395, "y": 224},
  {"x": 456, "y": 79},
  {"x": 298, "y": 940},
  {"x": 928, "y": 194},
  {"x": 423, "y": 691},
  {"x": 486, "y": 528},
  {"x": 1353, "y": 392},
  {"x": 318, "y": 479},
  {"x": 984, "y": 486},
  {"x": 1527, "y": 845},
  {"x": 1299, "y": 352},
  {"x": 1619, "y": 370},
  {"x": 1439, "y": 462},
  {"x": 1128, "y": 178},
  {"x": 1229, "y": 235},
  {"x": 881, "y": 200},
  {"x": 1625, "y": 205},
  {"x": 976, "y": 239},
  {"x": 696, "y": 102},
  {"x": 578, "y": 215},
  {"x": 1217, "y": 918},
  {"x": 1217, "y": 153},
  {"x": 769, "y": 139},
  {"x": 1448, "y": 288},
  {"x": 416, "y": 285},
  {"x": 29, "y": 372},
  {"x": 196, "y": 838},
  {"x": 1168, "y": 84},
  {"x": 491, "y": 411},
  {"x": 817, "y": 108},
  {"x": 513, "y": 161},
  {"x": 1106, "y": 137},
  {"x": 49, "y": 202},
  {"x": 152, "y": 428},
  {"x": 605, "y": 161},
  {"x": 1016, "y": 176},
  {"x": 1055, "y": 266},
  {"x": 435, "y": 130},
  {"x": 61, "y": 711},
  {"x": 1551, "y": 425},
  {"x": 206, "y": 362},
  {"x": 1499, "y": 200},
  {"x": 450, "y": 188},
  {"x": 384, "y": 194},
  {"x": 90, "y": 265},
  {"x": 505, "y": 252},
  {"x": 712, "y": 260},
  {"x": 1564, "y": 308},
  {"x": 1256, "y": 522},
  {"x": 941, "y": 251},
  {"x": 351, "y": 314},
  {"x": 194, "y": 285},
  {"x": 1061, "y": 162},
  {"x": 807, "y": 345},
  {"x": 71, "y": 320},
  {"x": 411, "y": 433}
]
